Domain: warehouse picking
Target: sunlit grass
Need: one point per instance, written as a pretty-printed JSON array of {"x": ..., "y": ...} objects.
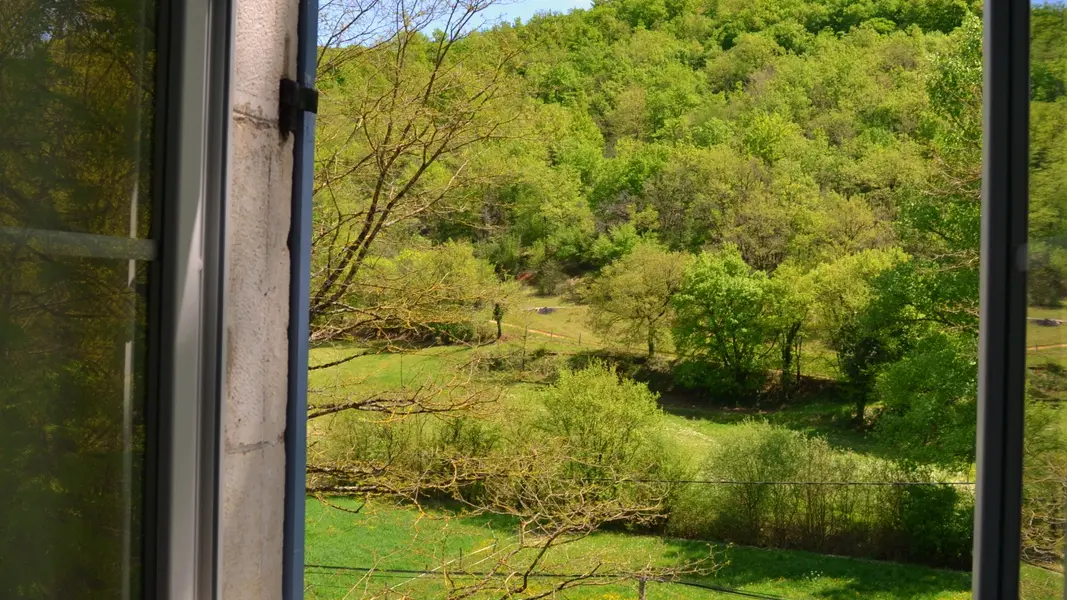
[
  {"x": 1046, "y": 335},
  {"x": 390, "y": 536},
  {"x": 567, "y": 320},
  {"x": 386, "y": 535}
]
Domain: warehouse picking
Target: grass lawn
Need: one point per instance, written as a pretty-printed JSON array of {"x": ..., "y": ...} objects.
[
  {"x": 1047, "y": 372},
  {"x": 383, "y": 370},
  {"x": 693, "y": 424},
  {"x": 389, "y": 536},
  {"x": 831, "y": 420},
  {"x": 562, "y": 319},
  {"x": 1045, "y": 335}
]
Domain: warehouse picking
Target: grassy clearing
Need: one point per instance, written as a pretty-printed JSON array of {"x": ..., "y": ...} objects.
[
  {"x": 381, "y": 370},
  {"x": 1044, "y": 335},
  {"x": 394, "y": 537},
  {"x": 694, "y": 425},
  {"x": 564, "y": 319},
  {"x": 1047, "y": 373},
  {"x": 831, "y": 420},
  {"x": 389, "y": 536}
]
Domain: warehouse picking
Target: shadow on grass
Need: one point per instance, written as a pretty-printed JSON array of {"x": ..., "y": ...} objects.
[
  {"x": 384, "y": 536},
  {"x": 819, "y": 407},
  {"x": 797, "y": 574},
  {"x": 823, "y": 416}
]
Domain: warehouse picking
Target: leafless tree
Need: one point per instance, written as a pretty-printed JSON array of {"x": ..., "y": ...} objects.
[{"x": 408, "y": 105}]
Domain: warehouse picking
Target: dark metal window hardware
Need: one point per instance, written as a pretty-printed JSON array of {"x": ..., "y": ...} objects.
[{"x": 293, "y": 100}]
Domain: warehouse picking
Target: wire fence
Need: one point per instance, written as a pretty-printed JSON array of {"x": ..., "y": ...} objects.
[
  {"x": 384, "y": 573},
  {"x": 799, "y": 483},
  {"x": 904, "y": 521},
  {"x": 927, "y": 522}
]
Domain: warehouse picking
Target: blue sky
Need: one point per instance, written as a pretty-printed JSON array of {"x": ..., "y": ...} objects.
[
  {"x": 524, "y": 9},
  {"x": 504, "y": 10},
  {"x": 509, "y": 10}
]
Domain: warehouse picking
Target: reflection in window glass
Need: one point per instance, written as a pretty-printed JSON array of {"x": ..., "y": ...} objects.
[
  {"x": 1045, "y": 461},
  {"x": 76, "y": 96},
  {"x": 76, "y": 91},
  {"x": 639, "y": 282}
]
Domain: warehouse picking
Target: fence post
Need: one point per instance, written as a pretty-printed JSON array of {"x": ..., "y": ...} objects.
[{"x": 525, "y": 336}]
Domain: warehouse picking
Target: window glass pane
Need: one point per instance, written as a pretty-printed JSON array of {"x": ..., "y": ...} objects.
[
  {"x": 72, "y": 381},
  {"x": 1045, "y": 460},
  {"x": 76, "y": 89},
  {"x": 76, "y": 95}
]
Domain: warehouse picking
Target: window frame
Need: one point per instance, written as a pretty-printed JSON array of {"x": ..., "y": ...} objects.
[
  {"x": 187, "y": 299},
  {"x": 1002, "y": 330},
  {"x": 300, "y": 234}
]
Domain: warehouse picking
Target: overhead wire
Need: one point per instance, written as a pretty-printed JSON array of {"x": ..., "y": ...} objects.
[{"x": 408, "y": 573}]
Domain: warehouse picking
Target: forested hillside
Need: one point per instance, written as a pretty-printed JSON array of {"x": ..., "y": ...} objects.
[{"x": 733, "y": 190}]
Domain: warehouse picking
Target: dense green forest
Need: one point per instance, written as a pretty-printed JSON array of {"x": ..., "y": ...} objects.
[
  {"x": 755, "y": 203},
  {"x": 821, "y": 159}
]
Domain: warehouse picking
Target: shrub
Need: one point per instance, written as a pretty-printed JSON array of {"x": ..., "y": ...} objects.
[
  {"x": 468, "y": 436},
  {"x": 937, "y": 522},
  {"x": 550, "y": 277},
  {"x": 608, "y": 429},
  {"x": 930, "y": 397},
  {"x": 609, "y": 425},
  {"x": 453, "y": 332},
  {"x": 415, "y": 444},
  {"x": 783, "y": 489},
  {"x": 1044, "y": 484},
  {"x": 424, "y": 294}
]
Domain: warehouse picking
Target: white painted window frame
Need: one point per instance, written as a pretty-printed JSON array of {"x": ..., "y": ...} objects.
[{"x": 192, "y": 184}]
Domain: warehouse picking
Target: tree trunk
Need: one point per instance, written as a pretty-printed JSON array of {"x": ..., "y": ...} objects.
[
  {"x": 861, "y": 407},
  {"x": 651, "y": 343},
  {"x": 788, "y": 343},
  {"x": 498, "y": 316}
]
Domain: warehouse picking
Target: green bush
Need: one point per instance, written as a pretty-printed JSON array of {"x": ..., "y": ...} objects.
[
  {"x": 929, "y": 399},
  {"x": 781, "y": 489},
  {"x": 608, "y": 431},
  {"x": 721, "y": 386},
  {"x": 453, "y": 332},
  {"x": 414, "y": 444},
  {"x": 468, "y": 436},
  {"x": 595, "y": 444},
  {"x": 610, "y": 426},
  {"x": 549, "y": 277},
  {"x": 937, "y": 523},
  {"x": 1044, "y": 483}
]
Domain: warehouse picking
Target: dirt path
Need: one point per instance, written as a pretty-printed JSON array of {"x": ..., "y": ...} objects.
[
  {"x": 537, "y": 331},
  {"x": 1045, "y": 347}
]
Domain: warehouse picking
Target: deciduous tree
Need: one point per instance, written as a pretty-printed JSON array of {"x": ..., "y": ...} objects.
[
  {"x": 725, "y": 322},
  {"x": 630, "y": 300}
]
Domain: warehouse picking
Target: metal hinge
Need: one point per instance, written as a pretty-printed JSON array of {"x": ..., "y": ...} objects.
[{"x": 294, "y": 99}]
